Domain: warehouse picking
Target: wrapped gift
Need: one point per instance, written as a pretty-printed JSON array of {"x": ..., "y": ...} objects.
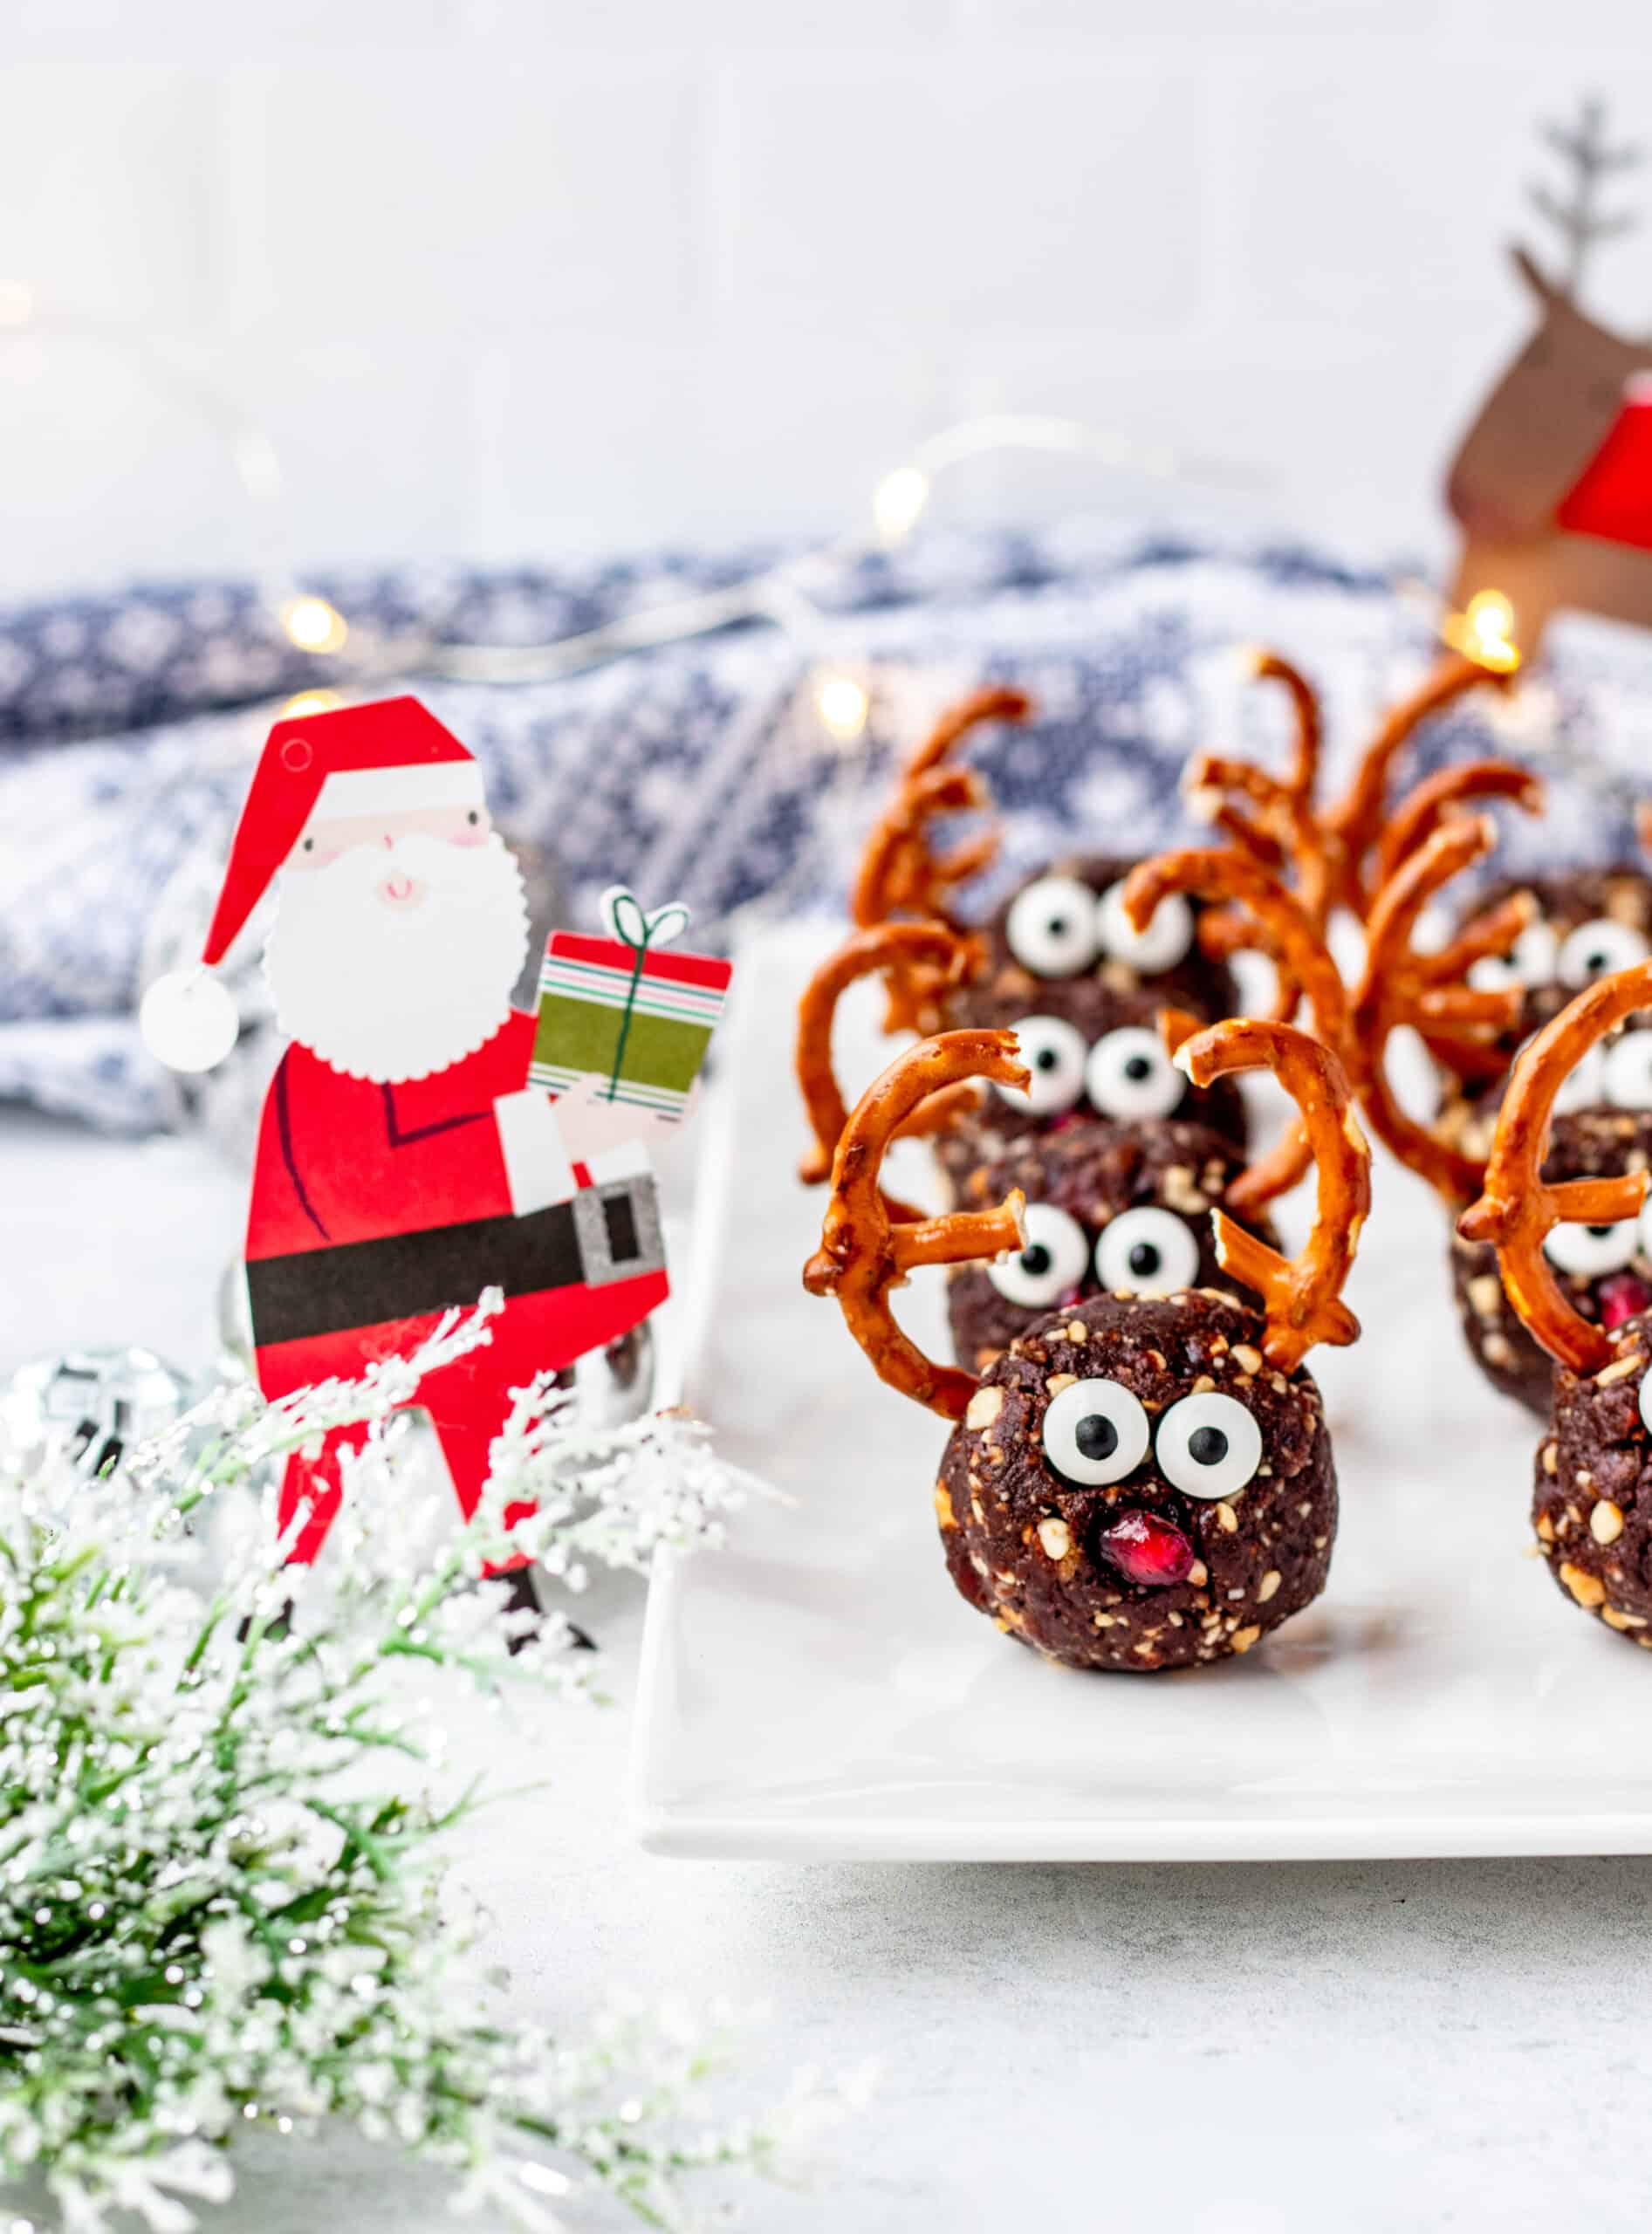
[{"x": 625, "y": 1010}]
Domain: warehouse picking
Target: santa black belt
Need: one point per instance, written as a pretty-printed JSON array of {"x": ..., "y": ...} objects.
[{"x": 606, "y": 1233}]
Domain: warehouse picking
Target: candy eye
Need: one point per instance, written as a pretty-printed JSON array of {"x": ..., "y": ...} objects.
[
  {"x": 1532, "y": 960},
  {"x": 1584, "y": 1086},
  {"x": 1591, "y": 1251},
  {"x": 1053, "y": 1261},
  {"x": 1129, "y": 1075},
  {"x": 1094, "y": 1432},
  {"x": 1646, "y": 1401},
  {"x": 1536, "y": 954},
  {"x": 1493, "y": 973},
  {"x": 1597, "y": 949},
  {"x": 1208, "y": 1446},
  {"x": 1164, "y": 943},
  {"x": 1628, "y": 1071},
  {"x": 1050, "y": 927},
  {"x": 1053, "y": 1052},
  {"x": 1146, "y": 1252}
]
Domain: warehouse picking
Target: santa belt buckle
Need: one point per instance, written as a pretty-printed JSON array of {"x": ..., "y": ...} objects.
[
  {"x": 616, "y": 1224},
  {"x": 606, "y": 1233}
]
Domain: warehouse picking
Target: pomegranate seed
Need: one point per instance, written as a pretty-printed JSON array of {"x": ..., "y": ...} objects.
[
  {"x": 1622, "y": 1297},
  {"x": 1148, "y": 1550}
]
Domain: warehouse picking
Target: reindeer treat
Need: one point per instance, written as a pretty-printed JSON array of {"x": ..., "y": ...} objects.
[
  {"x": 1092, "y": 1044},
  {"x": 1123, "y": 1209},
  {"x": 1602, "y": 1118},
  {"x": 1528, "y": 949},
  {"x": 1469, "y": 1026},
  {"x": 1275, "y": 920},
  {"x": 1580, "y": 925},
  {"x": 1126, "y": 1078},
  {"x": 1593, "y": 1502},
  {"x": 1057, "y": 961},
  {"x": 1136, "y": 1483}
]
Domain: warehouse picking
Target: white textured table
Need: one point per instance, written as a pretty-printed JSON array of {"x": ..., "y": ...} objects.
[{"x": 1225, "y": 2051}]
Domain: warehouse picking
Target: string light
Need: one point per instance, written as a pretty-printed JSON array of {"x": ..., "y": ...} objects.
[
  {"x": 1485, "y": 633},
  {"x": 780, "y": 595},
  {"x": 900, "y": 502},
  {"x": 843, "y": 705},
  {"x": 305, "y": 702},
  {"x": 313, "y": 625}
]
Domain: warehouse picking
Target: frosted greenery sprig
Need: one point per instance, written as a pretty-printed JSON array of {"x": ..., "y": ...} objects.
[{"x": 220, "y": 1893}]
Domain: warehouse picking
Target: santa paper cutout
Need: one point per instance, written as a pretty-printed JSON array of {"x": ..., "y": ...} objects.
[{"x": 404, "y": 1162}]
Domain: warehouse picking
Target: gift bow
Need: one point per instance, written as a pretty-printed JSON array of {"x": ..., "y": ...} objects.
[
  {"x": 638, "y": 928},
  {"x": 627, "y": 920}
]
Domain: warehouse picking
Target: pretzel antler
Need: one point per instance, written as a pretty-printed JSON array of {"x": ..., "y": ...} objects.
[
  {"x": 1301, "y": 1296},
  {"x": 997, "y": 701},
  {"x": 862, "y": 1254},
  {"x": 1423, "y": 809},
  {"x": 1401, "y": 986},
  {"x": 1284, "y": 828},
  {"x": 1281, "y": 919},
  {"x": 900, "y": 873},
  {"x": 1354, "y": 823},
  {"x": 1517, "y": 1209},
  {"x": 930, "y": 954}
]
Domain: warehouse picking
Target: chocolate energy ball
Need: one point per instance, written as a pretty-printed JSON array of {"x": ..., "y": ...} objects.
[
  {"x": 1589, "y": 924},
  {"x": 1133, "y": 1488},
  {"x": 1112, "y": 1209},
  {"x": 1065, "y": 970},
  {"x": 1593, "y": 1505},
  {"x": 1067, "y": 923},
  {"x": 1605, "y": 1271}
]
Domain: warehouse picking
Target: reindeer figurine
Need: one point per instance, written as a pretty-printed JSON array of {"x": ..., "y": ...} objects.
[
  {"x": 1592, "y": 1507},
  {"x": 1136, "y": 1483},
  {"x": 1553, "y": 483}
]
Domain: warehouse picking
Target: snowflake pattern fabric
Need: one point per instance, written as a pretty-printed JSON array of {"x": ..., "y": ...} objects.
[{"x": 701, "y": 770}]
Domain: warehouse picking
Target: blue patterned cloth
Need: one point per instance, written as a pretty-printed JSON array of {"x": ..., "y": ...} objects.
[{"x": 701, "y": 770}]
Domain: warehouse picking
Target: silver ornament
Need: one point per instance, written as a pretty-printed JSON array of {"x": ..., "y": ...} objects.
[
  {"x": 611, "y": 1386},
  {"x": 93, "y": 1404}
]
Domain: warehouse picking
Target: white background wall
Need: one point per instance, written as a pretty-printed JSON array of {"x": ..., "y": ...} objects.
[{"x": 507, "y": 279}]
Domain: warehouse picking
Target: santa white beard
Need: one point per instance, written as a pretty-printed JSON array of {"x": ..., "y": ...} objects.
[{"x": 386, "y": 992}]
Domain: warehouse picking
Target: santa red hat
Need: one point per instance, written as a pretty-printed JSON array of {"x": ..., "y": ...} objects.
[{"x": 390, "y": 758}]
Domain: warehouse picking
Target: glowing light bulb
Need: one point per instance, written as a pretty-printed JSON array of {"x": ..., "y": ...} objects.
[
  {"x": 843, "y": 706},
  {"x": 310, "y": 702},
  {"x": 899, "y": 501},
  {"x": 313, "y": 625},
  {"x": 1485, "y": 631}
]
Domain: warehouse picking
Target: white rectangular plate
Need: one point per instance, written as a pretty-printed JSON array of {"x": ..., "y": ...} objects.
[{"x": 817, "y": 1688}]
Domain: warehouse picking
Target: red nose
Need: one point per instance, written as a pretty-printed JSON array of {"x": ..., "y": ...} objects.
[
  {"x": 1148, "y": 1550},
  {"x": 1622, "y": 1297}
]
